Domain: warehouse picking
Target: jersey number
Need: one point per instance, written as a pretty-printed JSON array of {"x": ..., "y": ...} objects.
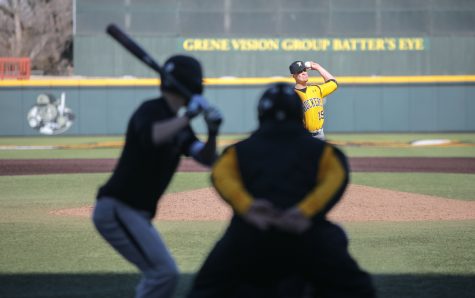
[{"x": 321, "y": 115}]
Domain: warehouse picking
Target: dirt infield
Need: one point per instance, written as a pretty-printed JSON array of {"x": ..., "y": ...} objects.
[
  {"x": 360, "y": 203},
  {"x": 357, "y": 164}
]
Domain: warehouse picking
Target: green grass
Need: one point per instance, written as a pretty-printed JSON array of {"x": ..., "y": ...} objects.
[
  {"x": 422, "y": 151},
  {"x": 54, "y": 256},
  {"x": 60, "y": 153},
  {"x": 361, "y": 137},
  {"x": 428, "y": 247},
  {"x": 69, "y": 257},
  {"x": 40, "y": 193},
  {"x": 42, "y": 255},
  {"x": 400, "y": 137},
  {"x": 350, "y": 150},
  {"x": 454, "y": 186},
  {"x": 409, "y": 151},
  {"x": 57, "y": 140},
  {"x": 423, "y": 259}
]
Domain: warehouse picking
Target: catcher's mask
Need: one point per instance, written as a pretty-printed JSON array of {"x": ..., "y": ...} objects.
[{"x": 280, "y": 102}]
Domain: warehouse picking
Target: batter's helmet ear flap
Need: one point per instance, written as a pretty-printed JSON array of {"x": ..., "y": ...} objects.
[{"x": 280, "y": 102}]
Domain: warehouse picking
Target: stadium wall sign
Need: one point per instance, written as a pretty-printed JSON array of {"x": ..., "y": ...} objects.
[
  {"x": 50, "y": 116},
  {"x": 304, "y": 44}
]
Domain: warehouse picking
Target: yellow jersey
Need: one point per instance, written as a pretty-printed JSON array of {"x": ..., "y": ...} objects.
[{"x": 312, "y": 101}]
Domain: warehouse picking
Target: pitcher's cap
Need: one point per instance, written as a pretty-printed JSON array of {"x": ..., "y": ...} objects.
[{"x": 297, "y": 67}]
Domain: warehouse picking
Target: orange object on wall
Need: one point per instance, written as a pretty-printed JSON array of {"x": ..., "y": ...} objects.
[{"x": 15, "y": 68}]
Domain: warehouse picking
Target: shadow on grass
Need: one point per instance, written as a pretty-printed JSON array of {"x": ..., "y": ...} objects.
[{"x": 107, "y": 285}]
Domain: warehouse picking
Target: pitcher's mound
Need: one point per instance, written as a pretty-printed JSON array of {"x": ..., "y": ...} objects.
[{"x": 360, "y": 203}]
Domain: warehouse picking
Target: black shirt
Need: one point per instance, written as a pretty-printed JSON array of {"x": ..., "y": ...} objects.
[
  {"x": 144, "y": 170},
  {"x": 280, "y": 162}
]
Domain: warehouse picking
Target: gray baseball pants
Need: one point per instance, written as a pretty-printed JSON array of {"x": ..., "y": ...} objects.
[
  {"x": 131, "y": 233},
  {"x": 318, "y": 134}
]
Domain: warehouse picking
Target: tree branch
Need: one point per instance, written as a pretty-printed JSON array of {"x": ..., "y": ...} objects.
[
  {"x": 6, "y": 10},
  {"x": 38, "y": 47}
]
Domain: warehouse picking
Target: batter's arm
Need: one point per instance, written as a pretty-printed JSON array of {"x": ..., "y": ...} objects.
[
  {"x": 205, "y": 153},
  {"x": 162, "y": 131}
]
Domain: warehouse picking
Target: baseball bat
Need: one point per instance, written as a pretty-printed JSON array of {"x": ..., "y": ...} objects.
[{"x": 135, "y": 49}]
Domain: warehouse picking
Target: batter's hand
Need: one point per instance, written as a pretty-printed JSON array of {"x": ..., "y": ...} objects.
[
  {"x": 292, "y": 221},
  {"x": 261, "y": 214},
  {"x": 197, "y": 104},
  {"x": 213, "y": 120}
]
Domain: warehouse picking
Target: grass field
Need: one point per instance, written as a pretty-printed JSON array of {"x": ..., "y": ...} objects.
[{"x": 42, "y": 255}]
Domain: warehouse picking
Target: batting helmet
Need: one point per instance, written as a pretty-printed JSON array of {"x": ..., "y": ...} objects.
[
  {"x": 280, "y": 102},
  {"x": 186, "y": 70}
]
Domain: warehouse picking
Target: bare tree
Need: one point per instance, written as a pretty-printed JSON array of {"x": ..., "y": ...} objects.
[{"x": 39, "y": 29}]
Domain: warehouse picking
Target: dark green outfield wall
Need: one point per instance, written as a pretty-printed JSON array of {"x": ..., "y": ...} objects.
[
  {"x": 99, "y": 55},
  {"x": 353, "y": 108},
  {"x": 260, "y": 38}
]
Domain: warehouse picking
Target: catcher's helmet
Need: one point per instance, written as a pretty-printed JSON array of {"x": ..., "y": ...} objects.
[{"x": 280, "y": 102}]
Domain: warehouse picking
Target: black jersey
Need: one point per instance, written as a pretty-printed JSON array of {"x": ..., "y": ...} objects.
[{"x": 144, "y": 170}]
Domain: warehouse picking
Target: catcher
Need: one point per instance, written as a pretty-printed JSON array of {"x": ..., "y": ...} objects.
[
  {"x": 312, "y": 96},
  {"x": 280, "y": 183}
]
